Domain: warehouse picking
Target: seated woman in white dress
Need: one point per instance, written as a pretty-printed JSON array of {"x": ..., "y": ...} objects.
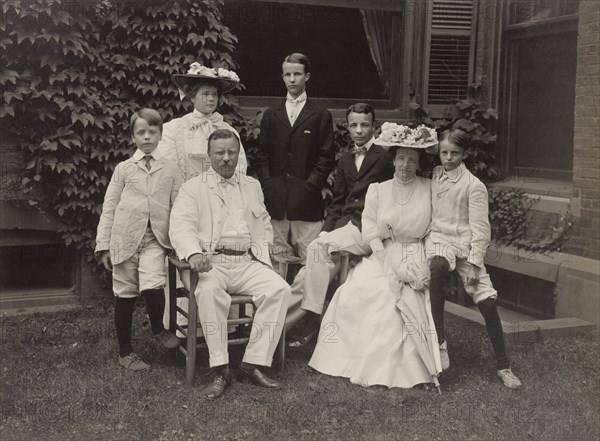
[
  {"x": 378, "y": 328},
  {"x": 185, "y": 139}
]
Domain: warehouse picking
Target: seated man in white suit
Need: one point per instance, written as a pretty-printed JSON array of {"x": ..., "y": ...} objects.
[{"x": 220, "y": 225}]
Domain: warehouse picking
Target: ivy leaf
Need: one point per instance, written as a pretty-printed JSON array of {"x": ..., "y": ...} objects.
[
  {"x": 65, "y": 167},
  {"x": 8, "y": 76}
]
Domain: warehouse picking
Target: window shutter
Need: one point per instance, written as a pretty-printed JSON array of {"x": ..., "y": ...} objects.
[{"x": 449, "y": 51}]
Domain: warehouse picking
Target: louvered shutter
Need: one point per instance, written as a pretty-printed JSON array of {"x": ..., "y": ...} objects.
[{"x": 449, "y": 51}]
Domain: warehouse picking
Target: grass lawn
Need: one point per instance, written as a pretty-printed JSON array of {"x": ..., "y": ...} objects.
[{"x": 59, "y": 381}]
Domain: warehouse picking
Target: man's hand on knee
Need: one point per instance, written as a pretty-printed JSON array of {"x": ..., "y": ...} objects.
[{"x": 200, "y": 263}]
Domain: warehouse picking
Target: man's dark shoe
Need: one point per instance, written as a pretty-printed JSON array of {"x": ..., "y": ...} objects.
[
  {"x": 258, "y": 378},
  {"x": 217, "y": 386}
]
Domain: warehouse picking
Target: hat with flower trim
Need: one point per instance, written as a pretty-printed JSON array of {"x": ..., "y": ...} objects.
[
  {"x": 227, "y": 79},
  {"x": 396, "y": 135}
]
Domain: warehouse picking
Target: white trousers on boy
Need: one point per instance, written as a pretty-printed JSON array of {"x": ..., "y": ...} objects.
[
  {"x": 144, "y": 270},
  {"x": 310, "y": 285}
]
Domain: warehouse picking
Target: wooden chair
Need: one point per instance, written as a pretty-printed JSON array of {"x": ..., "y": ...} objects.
[{"x": 190, "y": 331}]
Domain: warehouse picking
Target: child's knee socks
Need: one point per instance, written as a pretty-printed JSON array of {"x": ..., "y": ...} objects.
[
  {"x": 440, "y": 277},
  {"x": 489, "y": 311},
  {"x": 155, "y": 305},
  {"x": 123, "y": 319}
]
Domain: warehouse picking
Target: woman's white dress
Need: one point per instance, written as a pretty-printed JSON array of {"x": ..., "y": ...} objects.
[{"x": 378, "y": 328}]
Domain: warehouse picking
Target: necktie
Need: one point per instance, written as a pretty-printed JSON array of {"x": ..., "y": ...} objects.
[{"x": 147, "y": 158}]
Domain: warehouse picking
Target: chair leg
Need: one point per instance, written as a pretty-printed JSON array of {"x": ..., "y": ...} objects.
[
  {"x": 192, "y": 331},
  {"x": 172, "y": 297},
  {"x": 283, "y": 269},
  {"x": 281, "y": 350},
  {"x": 344, "y": 264}
]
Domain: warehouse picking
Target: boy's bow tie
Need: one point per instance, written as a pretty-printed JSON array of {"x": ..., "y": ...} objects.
[
  {"x": 295, "y": 100},
  {"x": 359, "y": 150}
]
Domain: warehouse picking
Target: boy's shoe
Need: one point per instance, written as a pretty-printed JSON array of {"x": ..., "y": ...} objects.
[
  {"x": 167, "y": 339},
  {"x": 444, "y": 357},
  {"x": 509, "y": 379},
  {"x": 133, "y": 363}
]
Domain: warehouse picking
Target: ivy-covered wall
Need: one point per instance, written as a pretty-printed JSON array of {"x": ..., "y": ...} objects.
[{"x": 72, "y": 73}]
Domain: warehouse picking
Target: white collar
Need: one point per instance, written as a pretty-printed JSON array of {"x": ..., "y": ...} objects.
[
  {"x": 196, "y": 113},
  {"x": 454, "y": 175},
  {"x": 139, "y": 154},
  {"x": 368, "y": 144},
  {"x": 301, "y": 98},
  {"x": 234, "y": 179}
]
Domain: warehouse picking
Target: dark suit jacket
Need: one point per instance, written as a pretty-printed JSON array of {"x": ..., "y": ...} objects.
[
  {"x": 350, "y": 188},
  {"x": 293, "y": 163}
]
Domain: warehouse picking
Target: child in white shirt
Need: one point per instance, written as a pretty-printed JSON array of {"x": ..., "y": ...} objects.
[{"x": 460, "y": 235}]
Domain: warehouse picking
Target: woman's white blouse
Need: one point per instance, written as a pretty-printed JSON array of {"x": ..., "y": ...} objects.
[
  {"x": 409, "y": 222},
  {"x": 185, "y": 141}
]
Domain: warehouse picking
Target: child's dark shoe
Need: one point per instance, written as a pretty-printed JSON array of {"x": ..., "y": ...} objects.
[{"x": 167, "y": 339}]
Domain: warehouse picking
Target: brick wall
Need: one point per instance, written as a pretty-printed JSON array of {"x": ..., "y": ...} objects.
[{"x": 585, "y": 240}]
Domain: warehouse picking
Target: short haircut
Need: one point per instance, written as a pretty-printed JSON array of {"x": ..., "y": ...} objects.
[
  {"x": 298, "y": 58},
  {"x": 457, "y": 137},
  {"x": 151, "y": 116},
  {"x": 190, "y": 89},
  {"x": 221, "y": 134},
  {"x": 361, "y": 108}
]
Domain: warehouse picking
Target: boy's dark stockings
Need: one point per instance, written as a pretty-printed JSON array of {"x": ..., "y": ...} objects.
[
  {"x": 123, "y": 319},
  {"x": 440, "y": 277},
  {"x": 489, "y": 311},
  {"x": 155, "y": 305}
]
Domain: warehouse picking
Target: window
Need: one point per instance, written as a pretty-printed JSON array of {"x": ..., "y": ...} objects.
[
  {"x": 531, "y": 11},
  {"x": 538, "y": 88},
  {"x": 450, "y": 51},
  {"x": 355, "y": 53}
]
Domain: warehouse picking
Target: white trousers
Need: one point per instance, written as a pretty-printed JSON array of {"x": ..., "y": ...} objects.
[
  {"x": 288, "y": 235},
  {"x": 144, "y": 270},
  {"x": 310, "y": 285},
  {"x": 248, "y": 276}
]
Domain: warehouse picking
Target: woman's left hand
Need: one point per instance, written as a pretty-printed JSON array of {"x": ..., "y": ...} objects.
[{"x": 473, "y": 275}]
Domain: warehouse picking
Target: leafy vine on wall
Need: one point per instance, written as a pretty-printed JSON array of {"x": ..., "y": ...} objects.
[{"x": 73, "y": 73}]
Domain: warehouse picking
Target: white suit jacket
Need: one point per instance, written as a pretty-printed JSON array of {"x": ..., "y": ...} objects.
[
  {"x": 199, "y": 212},
  {"x": 460, "y": 226},
  {"x": 134, "y": 197}
]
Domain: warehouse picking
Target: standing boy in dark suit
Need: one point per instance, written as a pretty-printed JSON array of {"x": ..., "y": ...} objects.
[
  {"x": 295, "y": 159},
  {"x": 356, "y": 170}
]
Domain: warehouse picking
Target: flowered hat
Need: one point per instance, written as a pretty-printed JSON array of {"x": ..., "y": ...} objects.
[
  {"x": 225, "y": 77},
  {"x": 421, "y": 137}
]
